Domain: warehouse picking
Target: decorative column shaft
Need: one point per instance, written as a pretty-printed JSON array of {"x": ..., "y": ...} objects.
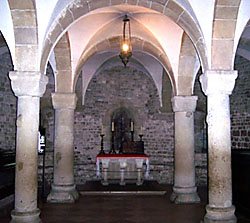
[
  {"x": 28, "y": 87},
  {"x": 63, "y": 188},
  {"x": 184, "y": 190},
  {"x": 218, "y": 85}
]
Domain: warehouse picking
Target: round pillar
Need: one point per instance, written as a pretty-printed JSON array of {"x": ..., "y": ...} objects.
[
  {"x": 184, "y": 190},
  {"x": 218, "y": 85},
  {"x": 63, "y": 187},
  {"x": 28, "y": 87}
]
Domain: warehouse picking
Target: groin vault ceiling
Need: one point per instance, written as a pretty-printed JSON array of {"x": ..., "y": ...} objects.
[{"x": 172, "y": 34}]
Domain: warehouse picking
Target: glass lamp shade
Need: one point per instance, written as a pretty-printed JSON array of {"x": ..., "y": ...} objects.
[{"x": 126, "y": 47}]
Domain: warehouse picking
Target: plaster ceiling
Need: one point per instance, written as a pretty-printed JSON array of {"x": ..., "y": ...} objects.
[
  {"x": 48, "y": 11},
  {"x": 106, "y": 23},
  {"x": 244, "y": 43}
]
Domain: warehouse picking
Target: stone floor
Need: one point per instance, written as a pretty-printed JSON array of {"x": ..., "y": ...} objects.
[{"x": 123, "y": 207}]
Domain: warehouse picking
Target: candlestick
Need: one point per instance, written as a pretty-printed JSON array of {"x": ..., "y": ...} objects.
[
  {"x": 112, "y": 149},
  {"x": 140, "y": 135},
  {"x": 113, "y": 127},
  {"x": 102, "y": 150},
  {"x": 132, "y": 136},
  {"x": 102, "y": 129},
  {"x": 132, "y": 126}
]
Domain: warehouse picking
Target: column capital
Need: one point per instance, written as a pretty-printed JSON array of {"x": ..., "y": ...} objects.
[
  {"x": 64, "y": 100},
  {"x": 25, "y": 83},
  {"x": 218, "y": 81},
  {"x": 184, "y": 103}
]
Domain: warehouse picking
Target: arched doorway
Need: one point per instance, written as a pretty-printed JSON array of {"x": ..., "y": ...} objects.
[{"x": 122, "y": 127}]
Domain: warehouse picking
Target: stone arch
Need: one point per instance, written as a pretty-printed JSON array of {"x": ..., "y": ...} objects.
[
  {"x": 78, "y": 8},
  {"x": 107, "y": 119},
  {"x": 188, "y": 67},
  {"x": 142, "y": 45},
  {"x": 63, "y": 80},
  {"x": 224, "y": 26},
  {"x": 26, "y": 39}
]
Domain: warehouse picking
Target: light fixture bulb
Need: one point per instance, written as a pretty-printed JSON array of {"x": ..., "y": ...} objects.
[{"x": 125, "y": 47}]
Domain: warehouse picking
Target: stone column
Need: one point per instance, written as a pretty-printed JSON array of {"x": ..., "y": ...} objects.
[
  {"x": 63, "y": 187},
  {"x": 184, "y": 190},
  {"x": 28, "y": 87},
  {"x": 218, "y": 85}
]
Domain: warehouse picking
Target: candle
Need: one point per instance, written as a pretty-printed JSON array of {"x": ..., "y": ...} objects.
[
  {"x": 132, "y": 126},
  {"x": 102, "y": 129},
  {"x": 141, "y": 130},
  {"x": 113, "y": 127}
]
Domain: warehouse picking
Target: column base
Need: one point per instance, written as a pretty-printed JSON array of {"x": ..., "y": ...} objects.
[
  {"x": 63, "y": 194},
  {"x": 122, "y": 183},
  {"x": 219, "y": 215},
  {"x": 26, "y": 217},
  {"x": 184, "y": 195},
  {"x": 139, "y": 183}
]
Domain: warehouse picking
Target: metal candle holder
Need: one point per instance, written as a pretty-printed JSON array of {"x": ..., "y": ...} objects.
[
  {"x": 112, "y": 151},
  {"x": 140, "y": 135},
  {"x": 102, "y": 150},
  {"x": 132, "y": 136}
]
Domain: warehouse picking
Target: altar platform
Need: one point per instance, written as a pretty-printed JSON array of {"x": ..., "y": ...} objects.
[
  {"x": 147, "y": 188},
  {"x": 122, "y": 167}
]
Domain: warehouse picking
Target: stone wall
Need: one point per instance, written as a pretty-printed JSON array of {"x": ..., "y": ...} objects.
[
  {"x": 200, "y": 134},
  {"x": 111, "y": 89},
  {"x": 7, "y": 104},
  {"x": 133, "y": 90},
  {"x": 47, "y": 122},
  {"x": 200, "y": 125},
  {"x": 240, "y": 106},
  {"x": 107, "y": 91}
]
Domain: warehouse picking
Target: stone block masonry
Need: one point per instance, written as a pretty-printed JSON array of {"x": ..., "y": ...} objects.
[
  {"x": 132, "y": 89},
  {"x": 107, "y": 91},
  {"x": 240, "y": 106},
  {"x": 8, "y": 106}
]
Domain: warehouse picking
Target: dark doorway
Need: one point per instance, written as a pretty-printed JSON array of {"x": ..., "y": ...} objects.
[{"x": 122, "y": 121}]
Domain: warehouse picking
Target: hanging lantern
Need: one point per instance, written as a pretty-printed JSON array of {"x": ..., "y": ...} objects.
[{"x": 126, "y": 47}]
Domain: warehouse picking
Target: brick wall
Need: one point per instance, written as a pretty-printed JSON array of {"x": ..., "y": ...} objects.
[
  {"x": 8, "y": 105},
  {"x": 107, "y": 91},
  {"x": 131, "y": 89},
  {"x": 240, "y": 106}
]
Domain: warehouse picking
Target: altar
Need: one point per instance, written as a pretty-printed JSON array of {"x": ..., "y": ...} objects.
[{"x": 122, "y": 162}]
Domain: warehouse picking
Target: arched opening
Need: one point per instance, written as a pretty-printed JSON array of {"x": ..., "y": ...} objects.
[{"x": 122, "y": 126}]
